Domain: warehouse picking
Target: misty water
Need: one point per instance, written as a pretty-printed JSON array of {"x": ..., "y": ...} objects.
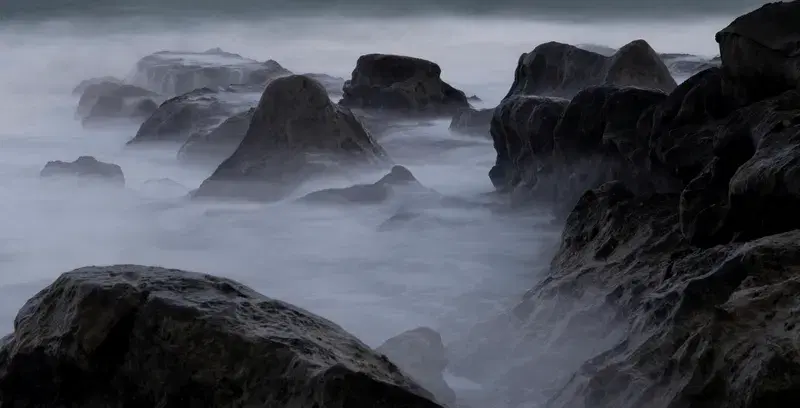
[{"x": 449, "y": 269}]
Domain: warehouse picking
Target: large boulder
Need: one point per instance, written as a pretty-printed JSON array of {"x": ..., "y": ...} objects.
[
  {"x": 557, "y": 69},
  {"x": 129, "y": 335},
  {"x": 103, "y": 100},
  {"x": 179, "y": 72},
  {"x": 420, "y": 353},
  {"x": 400, "y": 84},
  {"x": 296, "y": 132},
  {"x": 85, "y": 167}
]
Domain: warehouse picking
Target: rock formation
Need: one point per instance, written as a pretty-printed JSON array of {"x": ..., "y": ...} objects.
[
  {"x": 296, "y": 132},
  {"x": 85, "y": 167},
  {"x": 402, "y": 85},
  {"x": 129, "y": 335},
  {"x": 471, "y": 121},
  {"x": 103, "y": 100},
  {"x": 217, "y": 143},
  {"x": 398, "y": 181}
]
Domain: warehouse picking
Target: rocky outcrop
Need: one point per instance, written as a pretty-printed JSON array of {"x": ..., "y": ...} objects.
[
  {"x": 218, "y": 143},
  {"x": 296, "y": 132},
  {"x": 179, "y": 72},
  {"x": 420, "y": 353},
  {"x": 471, "y": 121},
  {"x": 85, "y": 167},
  {"x": 403, "y": 85},
  {"x": 81, "y": 87},
  {"x": 557, "y": 69},
  {"x": 103, "y": 100},
  {"x": 398, "y": 181},
  {"x": 129, "y": 335}
]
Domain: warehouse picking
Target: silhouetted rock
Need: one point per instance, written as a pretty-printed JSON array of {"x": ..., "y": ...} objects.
[
  {"x": 179, "y": 72},
  {"x": 103, "y": 100},
  {"x": 129, "y": 335},
  {"x": 220, "y": 142},
  {"x": 296, "y": 132},
  {"x": 85, "y": 167},
  {"x": 420, "y": 354},
  {"x": 556, "y": 69},
  {"x": 401, "y": 84},
  {"x": 398, "y": 181},
  {"x": 472, "y": 121}
]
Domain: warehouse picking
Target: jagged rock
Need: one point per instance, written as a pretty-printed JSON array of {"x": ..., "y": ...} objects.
[
  {"x": 401, "y": 84},
  {"x": 85, "y": 167},
  {"x": 420, "y": 353},
  {"x": 219, "y": 143},
  {"x": 472, "y": 121},
  {"x": 129, "y": 335},
  {"x": 296, "y": 132},
  {"x": 556, "y": 69},
  {"x": 195, "y": 114},
  {"x": 398, "y": 181},
  {"x": 180, "y": 72},
  {"x": 102, "y": 100},
  {"x": 760, "y": 51}
]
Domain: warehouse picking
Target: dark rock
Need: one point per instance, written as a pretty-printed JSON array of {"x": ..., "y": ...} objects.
[
  {"x": 398, "y": 181},
  {"x": 556, "y": 69},
  {"x": 196, "y": 114},
  {"x": 332, "y": 84},
  {"x": 401, "y": 84},
  {"x": 177, "y": 72},
  {"x": 113, "y": 100},
  {"x": 219, "y": 143},
  {"x": 761, "y": 52},
  {"x": 296, "y": 132},
  {"x": 127, "y": 335},
  {"x": 684, "y": 65},
  {"x": 472, "y": 121},
  {"x": 86, "y": 83},
  {"x": 420, "y": 353},
  {"x": 86, "y": 167}
]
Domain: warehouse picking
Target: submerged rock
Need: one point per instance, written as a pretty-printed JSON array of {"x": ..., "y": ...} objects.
[
  {"x": 103, "y": 100},
  {"x": 398, "y": 181},
  {"x": 129, "y": 335},
  {"x": 296, "y": 132},
  {"x": 401, "y": 84},
  {"x": 86, "y": 83},
  {"x": 86, "y": 167},
  {"x": 420, "y": 353}
]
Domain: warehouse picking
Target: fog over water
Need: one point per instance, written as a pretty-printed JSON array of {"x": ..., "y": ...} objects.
[{"x": 448, "y": 269}]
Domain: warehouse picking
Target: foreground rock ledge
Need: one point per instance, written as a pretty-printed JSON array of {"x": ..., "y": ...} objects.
[{"x": 137, "y": 336}]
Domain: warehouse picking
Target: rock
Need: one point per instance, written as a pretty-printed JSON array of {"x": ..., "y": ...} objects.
[
  {"x": 398, "y": 181},
  {"x": 219, "y": 143},
  {"x": 296, "y": 132},
  {"x": 180, "y": 72},
  {"x": 760, "y": 50},
  {"x": 598, "y": 49},
  {"x": 471, "y": 121},
  {"x": 332, "y": 84},
  {"x": 129, "y": 335},
  {"x": 112, "y": 100},
  {"x": 195, "y": 115},
  {"x": 401, "y": 84},
  {"x": 556, "y": 69},
  {"x": 685, "y": 65},
  {"x": 86, "y": 83},
  {"x": 420, "y": 353},
  {"x": 85, "y": 167}
]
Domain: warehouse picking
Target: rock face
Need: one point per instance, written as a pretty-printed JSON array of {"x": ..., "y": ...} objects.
[
  {"x": 179, "y": 72},
  {"x": 674, "y": 283},
  {"x": 556, "y": 69},
  {"x": 102, "y": 100},
  {"x": 420, "y": 353},
  {"x": 401, "y": 84},
  {"x": 472, "y": 121},
  {"x": 86, "y": 167},
  {"x": 130, "y": 335},
  {"x": 296, "y": 132},
  {"x": 218, "y": 143}
]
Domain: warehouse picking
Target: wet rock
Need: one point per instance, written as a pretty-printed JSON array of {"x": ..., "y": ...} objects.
[
  {"x": 402, "y": 85},
  {"x": 420, "y": 353},
  {"x": 196, "y": 114},
  {"x": 398, "y": 181},
  {"x": 103, "y": 100},
  {"x": 85, "y": 167},
  {"x": 218, "y": 143},
  {"x": 129, "y": 335},
  {"x": 180, "y": 72},
  {"x": 556, "y": 69},
  {"x": 471, "y": 121},
  {"x": 296, "y": 132}
]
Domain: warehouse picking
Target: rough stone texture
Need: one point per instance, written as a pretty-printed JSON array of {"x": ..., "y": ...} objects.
[
  {"x": 218, "y": 143},
  {"x": 296, "y": 132},
  {"x": 471, "y": 121},
  {"x": 130, "y": 336},
  {"x": 420, "y": 353},
  {"x": 556, "y": 69},
  {"x": 179, "y": 72},
  {"x": 86, "y": 167},
  {"x": 398, "y": 181},
  {"x": 401, "y": 84},
  {"x": 102, "y": 100}
]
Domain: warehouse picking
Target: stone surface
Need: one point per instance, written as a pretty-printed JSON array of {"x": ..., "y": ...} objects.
[
  {"x": 85, "y": 167},
  {"x": 296, "y": 132},
  {"x": 471, "y": 121},
  {"x": 128, "y": 335},
  {"x": 218, "y": 143},
  {"x": 401, "y": 84},
  {"x": 103, "y": 100}
]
